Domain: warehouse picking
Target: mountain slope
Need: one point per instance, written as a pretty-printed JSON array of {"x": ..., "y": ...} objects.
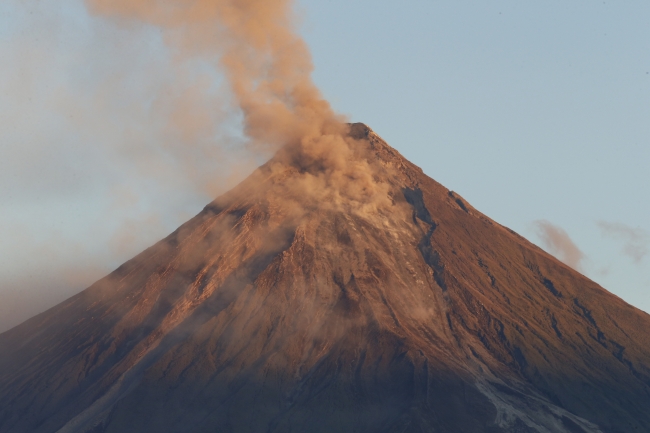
[{"x": 311, "y": 299}]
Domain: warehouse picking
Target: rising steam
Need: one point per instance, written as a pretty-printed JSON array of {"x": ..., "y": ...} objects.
[
  {"x": 558, "y": 242},
  {"x": 267, "y": 67},
  {"x": 255, "y": 45}
]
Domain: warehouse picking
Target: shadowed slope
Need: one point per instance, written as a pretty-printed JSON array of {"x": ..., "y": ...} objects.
[{"x": 285, "y": 307}]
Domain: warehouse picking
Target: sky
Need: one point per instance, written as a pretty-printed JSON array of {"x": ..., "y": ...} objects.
[{"x": 536, "y": 113}]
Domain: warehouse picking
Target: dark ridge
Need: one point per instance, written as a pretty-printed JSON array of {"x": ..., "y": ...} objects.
[
  {"x": 585, "y": 312},
  {"x": 618, "y": 354},
  {"x": 519, "y": 358},
  {"x": 493, "y": 281},
  {"x": 551, "y": 288},
  {"x": 458, "y": 201},
  {"x": 359, "y": 131},
  {"x": 415, "y": 199},
  {"x": 429, "y": 254},
  {"x": 544, "y": 280},
  {"x": 554, "y": 326},
  {"x": 432, "y": 258},
  {"x": 600, "y": 335}
]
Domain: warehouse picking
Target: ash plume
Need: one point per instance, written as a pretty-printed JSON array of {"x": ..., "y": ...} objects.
[
  {"x": 168, "y": 102},
  {"x": 254, "y": 43},
  {"x": 558, "y": 242},
  {"x": 267, "y": 68},
  {"x": 636, "y": 240}
]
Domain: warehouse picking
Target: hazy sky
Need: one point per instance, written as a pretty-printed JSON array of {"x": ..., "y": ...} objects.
[{"x": 537, "y": 113}]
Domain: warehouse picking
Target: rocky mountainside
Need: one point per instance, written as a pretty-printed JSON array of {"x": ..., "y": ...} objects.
[{"x": 314, "y": 300}]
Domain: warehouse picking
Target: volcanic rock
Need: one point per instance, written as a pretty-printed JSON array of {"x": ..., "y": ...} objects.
[{"x": 306, "y": 300}]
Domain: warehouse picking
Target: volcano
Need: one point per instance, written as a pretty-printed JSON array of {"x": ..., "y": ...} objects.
[{"x": 310, "y": 300}]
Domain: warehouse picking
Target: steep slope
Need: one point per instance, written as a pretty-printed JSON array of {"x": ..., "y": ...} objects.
[{"x": 373, "y": 300}]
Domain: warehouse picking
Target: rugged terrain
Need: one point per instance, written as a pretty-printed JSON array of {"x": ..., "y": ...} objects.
[{"x": 310, "y": 302}]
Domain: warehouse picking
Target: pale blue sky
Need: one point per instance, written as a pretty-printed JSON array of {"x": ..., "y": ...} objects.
[{"x": 530, "y": 110}]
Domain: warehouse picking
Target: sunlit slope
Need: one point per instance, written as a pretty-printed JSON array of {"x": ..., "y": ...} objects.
[{"x": 285, "y": 306}]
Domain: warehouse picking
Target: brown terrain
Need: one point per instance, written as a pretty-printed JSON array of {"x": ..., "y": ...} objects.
[{"x": 300, "y": 302}]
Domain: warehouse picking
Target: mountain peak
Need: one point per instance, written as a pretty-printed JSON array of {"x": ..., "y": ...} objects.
[
  {"x": 338, "y": 288},
  {"x": 359, "y": 131}
]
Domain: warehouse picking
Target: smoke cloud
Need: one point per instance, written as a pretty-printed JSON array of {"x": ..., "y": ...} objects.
[
  {"x": 267, "y": 71},
  {"x": 636, "y": 241},
  {"x": 267, "y": 66},
  {"x": 557, "y": 242},
  {"x": 139, "y": 114}
]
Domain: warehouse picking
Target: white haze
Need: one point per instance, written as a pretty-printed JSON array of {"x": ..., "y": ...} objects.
[{"x": 94, "y": 157}]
